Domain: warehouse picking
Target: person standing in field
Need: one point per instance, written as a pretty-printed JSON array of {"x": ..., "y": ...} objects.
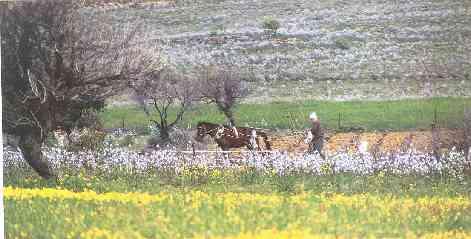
[{"x": 315, "y": 137}]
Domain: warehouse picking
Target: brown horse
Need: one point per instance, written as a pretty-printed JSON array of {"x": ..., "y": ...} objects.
[{"x": 232, "y": 137}]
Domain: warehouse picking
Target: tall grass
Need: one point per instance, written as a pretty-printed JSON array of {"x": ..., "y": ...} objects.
[
  {"x": 245, "y": 179},
  {"x": 368, "y": 115}
]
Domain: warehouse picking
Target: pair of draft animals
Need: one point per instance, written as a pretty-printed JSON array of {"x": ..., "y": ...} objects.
[{"x": 228, "y": 137}]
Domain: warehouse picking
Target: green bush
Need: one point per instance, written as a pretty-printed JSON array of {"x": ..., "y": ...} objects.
[
  {"x": 271, "y": 25},
  {"x": 343, "y": 43},
  {"x": 216, "y": 30}
]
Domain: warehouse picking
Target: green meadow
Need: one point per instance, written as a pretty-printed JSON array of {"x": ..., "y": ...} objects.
[{"x": 344, "y": 116}]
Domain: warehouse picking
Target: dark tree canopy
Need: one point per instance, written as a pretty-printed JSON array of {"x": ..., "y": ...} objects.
[{"x": 57, "y": 62}]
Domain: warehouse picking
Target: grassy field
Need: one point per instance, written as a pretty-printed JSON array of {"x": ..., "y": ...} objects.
[
  {"x": 247, "y": 206},
  {"x": 370, "y": 115}
]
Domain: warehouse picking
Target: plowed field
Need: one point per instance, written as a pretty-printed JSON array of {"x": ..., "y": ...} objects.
[{"x": 381, "y": 141}]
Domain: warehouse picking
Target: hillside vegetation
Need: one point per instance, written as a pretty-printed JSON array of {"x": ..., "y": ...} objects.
[{"x": 323, "y": 49}]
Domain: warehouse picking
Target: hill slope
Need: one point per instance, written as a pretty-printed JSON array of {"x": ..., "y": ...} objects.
[{"x": 324, "y": 49}]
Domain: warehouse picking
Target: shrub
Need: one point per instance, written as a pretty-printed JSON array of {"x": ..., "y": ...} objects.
[
  {"x": 126, "y": 141},
  {"x": 178, "y": 139},
  {"x": 343, "y": 43},
  {"x": 216, "y": 30},
  {"x": 86, "y": 139},
  {"x": 346, "y": 42},
  {"x": 271, "y": 25}
]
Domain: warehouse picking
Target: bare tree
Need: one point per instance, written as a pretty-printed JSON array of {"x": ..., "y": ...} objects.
[
  {"x": 166, "y": 91},
  {"x": 223, "y": 86},
  {"x": 56, "y": 62}
]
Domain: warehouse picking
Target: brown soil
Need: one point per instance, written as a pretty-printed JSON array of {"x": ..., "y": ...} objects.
[{"x": 377, "y": 142}]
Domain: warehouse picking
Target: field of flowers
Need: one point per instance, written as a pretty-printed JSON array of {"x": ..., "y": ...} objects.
[
  {"x": 44, "y": 213},
  {"x": 118, "y": 193}
]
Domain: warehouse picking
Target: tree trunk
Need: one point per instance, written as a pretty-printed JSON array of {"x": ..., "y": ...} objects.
[
  {"x": 230, "y": 116},
  {"x": 436, "y": 142},
  {"x": 467, "y": 133},
  {"x": 31, "y": 148},
  {"x": 164, "y": 135}
]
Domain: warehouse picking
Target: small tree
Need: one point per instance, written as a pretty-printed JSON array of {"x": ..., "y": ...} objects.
[
  {"x": 165, "y": 90},
  {"x": 222, "y": 86}
]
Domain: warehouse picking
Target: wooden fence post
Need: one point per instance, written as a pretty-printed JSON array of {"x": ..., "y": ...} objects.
[{"x": 339, "y": 121}]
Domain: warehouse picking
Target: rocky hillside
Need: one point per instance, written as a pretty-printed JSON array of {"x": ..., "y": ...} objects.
[{"x": 335, "y": 49}]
